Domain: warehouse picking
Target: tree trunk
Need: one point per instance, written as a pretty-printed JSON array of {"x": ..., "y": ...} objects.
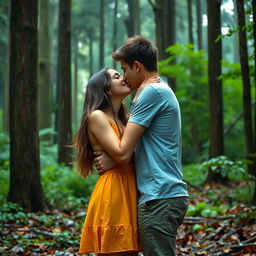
[
  {"x": 137, "y": 16},
  {"x": 44, "y": 80},
  {"x": 132, "y": 22},
  {"x": 115, "y": 30},
  {"x": 190, "y": 22},
  {"x": 215, "y": 85},
  {"x": 247, "y": 110},
  {"x": 91, "y": 53},
  {"x": 254, "y": 43},
  {"x": 165, "y": 12},
  {"x": 25, "y": 185},
  {"x": 199, "y": 24},
  {"x": 76, "y": 52},
  {"x": 6, "y": 84},
  {"x": 64, "y": 83},
  {"x": 235, "y": 36},
  {"x": 102, "y": 34}
]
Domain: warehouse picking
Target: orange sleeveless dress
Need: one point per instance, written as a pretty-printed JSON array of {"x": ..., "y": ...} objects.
[{"x": 111, "y": 222}]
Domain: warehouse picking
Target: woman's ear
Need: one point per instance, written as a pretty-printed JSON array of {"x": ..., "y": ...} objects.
[{"x": 109, "y": 92}]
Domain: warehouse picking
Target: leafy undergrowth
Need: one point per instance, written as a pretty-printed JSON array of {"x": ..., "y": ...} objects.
[{"x": 215, "y": 225}]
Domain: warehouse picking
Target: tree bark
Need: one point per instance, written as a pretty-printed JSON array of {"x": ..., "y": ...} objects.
[
  {"x": 254, "y": 44},
  {"x": 44, "y": 79},
  {"x": 115, "y": 30},
  {"x": 6, "y": 113},
  {"x": 76, "y": 52},
  {"x": 165, "y": 20},
  {"x": 25, "y": 186},
  {"x": 91, "y": 53},
  {"x": 236, "y": 37},
  {"x": 132, "y": 22},
  {"x": 102, "y": 34},
  {"x": 64, "y": 83},
  {"x": 215, "y": 85},
  {"x": 190, "y": 22},
  {"x": 199, "y": 24},
  {"x": 247, "y": 110}
]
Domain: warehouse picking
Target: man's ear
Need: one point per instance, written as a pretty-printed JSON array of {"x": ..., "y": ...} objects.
[{"x": 137, "y": 65}]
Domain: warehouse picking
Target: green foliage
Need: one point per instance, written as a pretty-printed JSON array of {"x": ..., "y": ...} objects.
[
  {"x": 4, "y": 165},
  {"x": 190, "y": 72},
  {"x": 234, "y": 170},
  {"x": 12, "y": 213},
  {"x": 194, "y": 174},
  {"x": 64, "y": 187},
  {"x": 204, "y": 210}
]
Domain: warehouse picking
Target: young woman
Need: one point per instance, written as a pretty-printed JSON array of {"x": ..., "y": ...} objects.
[{"x": 110, "y": 227}]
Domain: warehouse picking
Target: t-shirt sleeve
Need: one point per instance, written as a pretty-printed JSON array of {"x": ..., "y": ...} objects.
[{"x": 147, "y": 106}]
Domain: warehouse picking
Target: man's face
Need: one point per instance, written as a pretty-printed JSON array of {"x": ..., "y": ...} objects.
[{"x": 131, "y": 75}]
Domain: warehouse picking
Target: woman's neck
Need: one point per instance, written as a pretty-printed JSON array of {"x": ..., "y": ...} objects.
[{"x": 116, "y": 107}]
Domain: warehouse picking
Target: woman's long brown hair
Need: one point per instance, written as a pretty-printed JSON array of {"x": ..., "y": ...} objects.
[{"x": 96, "y": 98}]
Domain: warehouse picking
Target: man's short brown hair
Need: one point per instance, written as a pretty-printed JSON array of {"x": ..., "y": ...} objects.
[{"x": 140, "y": 49}]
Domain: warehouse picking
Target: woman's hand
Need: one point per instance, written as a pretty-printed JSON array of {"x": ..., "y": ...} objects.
[
  {"x": 103, "y": 162},
  {"x": 147, "y": 80},
  {"x": 150, "y": 80}
]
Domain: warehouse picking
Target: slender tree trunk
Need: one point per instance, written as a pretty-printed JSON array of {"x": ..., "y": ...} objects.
[
  {"x": 215, "y": 85},
  {"x": 254, "y": 44},
  {"x": 115, "y": 30},
  {"x": 91, "y": 53},
  {"x": 165, "y": 20},
  {"x": 6, "y": 85},
  {"x": 75, "y": 120},
  {"x": 190, "y": 22},
  {"x": 44, "y": 79},
  {"x": 132, "y": 22},
  {"x": 199, "y": 24},
  {"x": 102, "y": 34},
  {"x": 137, "y": 16},
  {"x": 64, "y": 83},
  {"x": 254, "y": 37},
  {"x": 248, "y": 123},
  {"x": 235, "y": 36},
  {"x": 25, "y": 186}
]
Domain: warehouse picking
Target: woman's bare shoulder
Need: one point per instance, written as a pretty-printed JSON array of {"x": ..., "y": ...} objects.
[{"x": 97, "y": 115}]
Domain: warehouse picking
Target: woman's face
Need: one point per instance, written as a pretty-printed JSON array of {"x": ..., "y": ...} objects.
[{"x": 118, "y": 87}]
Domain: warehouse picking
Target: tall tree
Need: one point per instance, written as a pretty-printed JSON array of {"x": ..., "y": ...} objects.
[
  {"x": 165, "y": 13},
  {"x": 254, "y": 37},
  {"x": 64, "y": 83},
  {"x": 132, "y": 22},
  {"x": 44, "y": 80},
  {"x": 247, "y": 110},
  {"x": 216, "y": 133},
  {"x": 235, "y": 36},
  {"x": 199, "y": 24},
  {"x": 25, "y": 186},
  {"x": 102, "y": 33},
  {"x": 75, "y": 85},
  {"x": 5, "y": 54},
  {"x": 115, "y": 30},
  {"x": 190, "y": 22}
]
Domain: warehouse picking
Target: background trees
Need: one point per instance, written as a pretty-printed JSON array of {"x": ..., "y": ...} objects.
[{"x": 25, "y": 185}]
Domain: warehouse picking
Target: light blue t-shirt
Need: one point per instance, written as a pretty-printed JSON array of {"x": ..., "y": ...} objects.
[{"x": 158, "y": 152}]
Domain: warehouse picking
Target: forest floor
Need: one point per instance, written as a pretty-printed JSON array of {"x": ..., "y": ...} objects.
[{"x": 228, "y": 229}]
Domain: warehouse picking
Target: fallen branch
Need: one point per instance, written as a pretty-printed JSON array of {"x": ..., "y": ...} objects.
[{"x": 196, "y": 220}]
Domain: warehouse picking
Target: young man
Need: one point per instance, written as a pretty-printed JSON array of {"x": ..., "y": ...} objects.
[{"x": 154, "y": 128}]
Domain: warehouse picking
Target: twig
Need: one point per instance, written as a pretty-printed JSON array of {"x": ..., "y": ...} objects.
[
  {"x": 193, "y": 186},
  {"x": 195, "y": 220},
  {"x": 214, "y": 234}
]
